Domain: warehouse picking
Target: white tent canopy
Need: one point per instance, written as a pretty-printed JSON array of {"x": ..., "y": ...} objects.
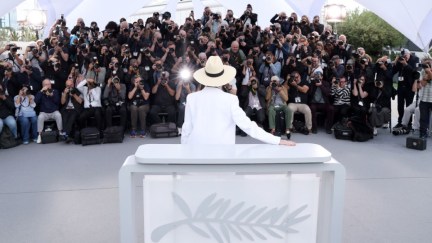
[{"x": 411, "y": 19}]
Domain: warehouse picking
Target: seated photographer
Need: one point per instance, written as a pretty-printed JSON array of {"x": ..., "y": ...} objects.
[
  {"x": 360, "y": 102},
  {"x": 114, "y": 98},
  {"x": 256, "y": 101},
  {"x": 298, "y": 100},
  {"x": 276, "y": 97},
  {"x": 341, "y": 94},
  {"x": 410, "y": 110},
  {"x": 163, "y": 99},
  {"x": 92, "y": 102},
  {"x": 139, "y": 106},
  {"x": 6, "y": 113},
  {"x": 26, "y": 114},
  {"x": 320, "y": 101},
  {"x": 48, "y": 99},
  {"x": 71, "y": 101},
  {"x": 185, "y": 86},
  {"x": 379, "y": 112}
]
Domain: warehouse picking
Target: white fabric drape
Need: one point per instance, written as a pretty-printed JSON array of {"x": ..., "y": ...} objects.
[{"x": 7, "y": 6}]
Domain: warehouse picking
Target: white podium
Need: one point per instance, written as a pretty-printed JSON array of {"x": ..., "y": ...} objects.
[{"x": 231, "y": 193}]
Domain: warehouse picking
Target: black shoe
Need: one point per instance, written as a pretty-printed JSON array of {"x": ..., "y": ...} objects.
[
  {"x": 314, "y": 131},
  {"x": 329, "y": 131},
  {"x": 288, "y": 135},
  {"x": 306, "y": 131},
  {"x": 423, "y": 135},
  {"x": 398, "y": 126}
]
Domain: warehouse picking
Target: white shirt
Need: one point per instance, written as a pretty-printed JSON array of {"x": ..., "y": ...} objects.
[
  {"x": 92, "y": 98},
  {"x": 211, "y": 117}
]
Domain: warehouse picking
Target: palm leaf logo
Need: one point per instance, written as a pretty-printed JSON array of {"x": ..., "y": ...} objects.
[{"x": 224, "y": 221}]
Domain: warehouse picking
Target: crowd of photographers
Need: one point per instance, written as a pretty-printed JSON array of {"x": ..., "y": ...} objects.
[{"x": 138, "y": 71}]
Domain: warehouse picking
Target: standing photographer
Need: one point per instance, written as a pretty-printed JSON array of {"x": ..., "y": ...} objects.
[
  {"x": 26, "y": 114},
  {"x": 426, "y": 99},
  {"x": 249, "y": 17},
  {"x": 14, "y": 57},
  {"x": 185, "y": 86}
]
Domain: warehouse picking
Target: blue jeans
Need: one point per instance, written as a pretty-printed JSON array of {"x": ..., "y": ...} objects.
[
  {"x": 26, "y": 123},
  {"x": 11, "y": 123}
]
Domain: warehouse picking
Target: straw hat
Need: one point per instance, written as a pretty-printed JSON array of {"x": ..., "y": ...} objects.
[{"x": 214, "y": 73}]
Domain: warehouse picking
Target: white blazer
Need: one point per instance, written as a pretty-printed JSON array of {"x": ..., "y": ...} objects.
[{"x": 211, "y": 117}]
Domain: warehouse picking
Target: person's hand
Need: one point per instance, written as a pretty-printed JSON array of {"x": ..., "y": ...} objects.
[
  {"x": 21, "y": 93},
  {"x": 318, "y": 83},
  {"x": 287, "y": 142},
  {"x": 109, "y": 82},
  {"x": 66, "y": 90},
  {"x": 117, "y": 86},
  {"x": 2, "y": 97}
]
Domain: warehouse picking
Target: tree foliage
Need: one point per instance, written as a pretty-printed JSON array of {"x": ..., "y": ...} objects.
[{"x": 368, "y": 30}]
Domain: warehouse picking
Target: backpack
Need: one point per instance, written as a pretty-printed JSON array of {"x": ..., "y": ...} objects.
[
  {"x": 361, "y": 129},
  {"x": 7, "y": 139}
]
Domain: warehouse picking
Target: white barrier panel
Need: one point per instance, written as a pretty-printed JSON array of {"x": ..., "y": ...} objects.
[
  {"x": 231, "y": 208},
  {"x": 237, "y": 193}
]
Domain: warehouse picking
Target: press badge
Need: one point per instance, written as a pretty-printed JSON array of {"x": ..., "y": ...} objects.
[
  {"x": 52, "y": 81},
  {"x": 125, "y": 70},
  {"x": 401, "y": 78},
  {"x": 135, "y": 54},
  {"x": 31, "y": 87},
  {"x": 147, "y": 68},
  {"x": 297, "y": 99},
  {"x": 360, "y": 103}
]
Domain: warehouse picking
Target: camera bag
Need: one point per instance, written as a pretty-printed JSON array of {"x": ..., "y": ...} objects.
[
  {"x": 163, "y": 130},
  {"x": 416, "y": 143},
  {"x": 342, "y": 131},
  {"x": 280, "y": 126},
  {"x": 89, "y": 136},
  {"x": 113, "y": 134},
  {"x": 7, "y": 139},
  {"x": 49, "y": 136}
]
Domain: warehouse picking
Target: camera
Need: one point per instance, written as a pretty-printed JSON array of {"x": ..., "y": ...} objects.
[
  {"x": 401, "y": 58},
  {"x": 291, "y": 19},
  {"x": 248, "y": 63},
  {"x": 363, "y": 61},
  {"x": 225, "y": 59},
  {"x": 425, "y": 65},
  {"x": 340, "y": 43},
  {"x": 401, "y": 131},
  {"x": 215, "y": 16},
  {"x": 349, "y": 67},
  {"x": 268, "y": 59},
  {"x": 308, "y": 61},
  {"x": 272, "y": 27},
  {"x": 276, "y": 42},
  {"x": 332, "y": 63},
  {"x": 379, "y": 83},
  {"x": 337, "y": 81},
  {"x": 15, "y": 48},
  {"x": 48, "y": 91},
  {"x": 159, "y": 66},
  {"x": 115, "y": 80},
  {"x": 274, "y": 84},
  {"x": 74, "y": 91},
  {"x": 253, "y": 82}
]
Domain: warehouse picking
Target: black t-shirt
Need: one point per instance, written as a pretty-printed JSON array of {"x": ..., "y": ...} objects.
[
  {"x": 162, "y": 97},
  {"x": 294, "y": 94}
]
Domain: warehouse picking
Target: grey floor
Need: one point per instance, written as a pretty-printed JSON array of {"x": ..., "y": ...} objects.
[{"x": 69, "y": 193}]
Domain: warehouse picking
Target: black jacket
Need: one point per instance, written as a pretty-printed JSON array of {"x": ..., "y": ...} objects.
[{"x": 6, "y": 108}]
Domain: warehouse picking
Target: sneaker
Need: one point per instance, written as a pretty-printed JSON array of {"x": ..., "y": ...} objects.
[
  {"x": 133, "y": 134},
  {"x": 143, "y": 134},
  {"x": 39, "y": 139},
  {"x": 25, "y": 142},
  {"x": 375, "y": 131},
  {"x": 179, "y": 130},
  {"x": 385, "y": 125}
]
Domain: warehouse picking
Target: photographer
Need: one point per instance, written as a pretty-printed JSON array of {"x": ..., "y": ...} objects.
[
  {"x": 169, "y": 58},
  {"x": 229, "y": 17},
  {"x": 298, "y": 100},
  {"x": 163, "y": 99},
  {"x": 316, "y": 25},
  {"x": 30, "y": 77},
  {"x": 214, "y": 23},
  {"x": 96, "y": 72},
  {"x": 114, "y": 98},
  {"x": 405, "y": 95},
  {"x": 269, "y": 68},
  {"x": 139, "y": 106},
  {"x": 305, "y": 25},
  {"x": 282, "y": 19},
  {"x": 336, "y": 68},
  {"x": 6, "y": 113},
  {"x": 79, "y": 27},
  {"x": 26, "y": 114},
  {"x": 426, "y": 99},
  {"x": 135, "y": 43},
  {"x": 35, "y": 55},
  {"x": 91, "y": 93},
  {"x": 10, "y": 84},
  {"x": 276, "y": 97},
  {"x": 185, "y": 86},
  {"x": 206, "y": 15},
  {"x": 48, "y": 99},
  {"x": 379, "y": 111},
  {"x": 58, "y": 51},
  {"x": 71, "y": 102},
  {"x": 56, "y": 73},
  {"x": 319, "y": 96},
  {"x": 341, "y": 94},
  {"x": 255, "y": 101},
  {"x": 343, "y": 49},
  {"x": 280, "y": 48},
  {"x": 13, "y": 57},
  {"x": 248, "y": 16}
]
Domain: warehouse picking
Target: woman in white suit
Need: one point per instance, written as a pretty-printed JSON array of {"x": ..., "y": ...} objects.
[{"x": 212, "y": 115}]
